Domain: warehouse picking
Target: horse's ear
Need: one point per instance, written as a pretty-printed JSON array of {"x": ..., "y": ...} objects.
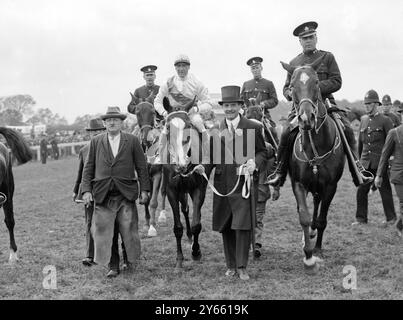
[
  {"x": 134, "y": 98},
  {"x": 166, "y": 104},
  {"x": 288, "y": 67},
  {"x": 315, "y": 65},
  {"x": 190, "y": 104}
]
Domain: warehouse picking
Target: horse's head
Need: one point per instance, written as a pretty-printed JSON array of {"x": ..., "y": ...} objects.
[
  {"x": 133, "y": 103},
  {"x": 145, "y": 119},
  {"x": 305, "y": 92},
  {"x": 180, "y": 131},
  {"x": 255, "y": 112}
]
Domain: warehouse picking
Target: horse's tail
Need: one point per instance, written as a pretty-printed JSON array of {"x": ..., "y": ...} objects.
[{"x": 17, "y": 144}]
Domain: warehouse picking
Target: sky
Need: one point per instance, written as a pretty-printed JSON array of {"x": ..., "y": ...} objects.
[{"x": 79, "y": 57}]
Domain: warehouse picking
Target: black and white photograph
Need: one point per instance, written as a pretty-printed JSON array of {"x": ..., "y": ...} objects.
[{"x": 201, "y": 156}]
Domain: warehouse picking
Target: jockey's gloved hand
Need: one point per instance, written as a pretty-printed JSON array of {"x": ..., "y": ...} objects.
[{"x": 198, "y": 123}]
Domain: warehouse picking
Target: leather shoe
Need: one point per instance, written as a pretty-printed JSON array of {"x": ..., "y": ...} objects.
[
  {"x": 243, "y": 275},
  {"x": 112, "y": 274},
  {"x": 230, "y": 273}
]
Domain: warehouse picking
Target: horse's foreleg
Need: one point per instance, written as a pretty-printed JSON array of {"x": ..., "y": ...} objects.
[
  {"x": 146, "y": 216},
  {"x": 316, "y": 203},
  {"x": 324, "y": 208},
  {"x": 162, "y": 217},
  {"x": 178, "y": 227},
  {"x": 185, "y": 210},
  {"x": 10, "y": 223},
  {"x": 197, "y": 199},
  {"x": 305, "y": 221},
  {"x": 152, "y": 232}
]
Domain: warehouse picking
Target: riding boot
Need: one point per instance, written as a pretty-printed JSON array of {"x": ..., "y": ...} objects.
[
  {"x": 352, "y": 143},
  {"x": 280, "y": 173}
]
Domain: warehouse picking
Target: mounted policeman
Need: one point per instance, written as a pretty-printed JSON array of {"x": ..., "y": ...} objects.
[{"x": 330, "y": 81}]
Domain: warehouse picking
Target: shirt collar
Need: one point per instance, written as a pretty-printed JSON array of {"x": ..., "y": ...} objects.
[
  {"x": 115, "y": 137},
  {"x": 234, "y": 122}
]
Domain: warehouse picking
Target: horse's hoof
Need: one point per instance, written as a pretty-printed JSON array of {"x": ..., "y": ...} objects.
[
  {"x": 13, "y": 257},
  {"x": 146, "y": 227},
  {"x": 197, "y": 256},
  {"x": 312, "y": 265},
  {"x": 312, "y": 270},
  {"x": 162, "y": 217},
  {"x": 152, "y": 232},
  {"x": 179, "y": 265}
]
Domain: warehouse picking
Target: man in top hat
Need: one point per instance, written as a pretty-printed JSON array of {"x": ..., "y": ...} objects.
[
  {"x": 329, "y": 82},
  {"x": 234, "y": 215},
  {"x": 259, "y": 90},
  {"x": 386, "y": 110},
  {"x": 109, "y": 179},
  {"x": 374, "y": 128},
  {"x": 95, "y": 127}
]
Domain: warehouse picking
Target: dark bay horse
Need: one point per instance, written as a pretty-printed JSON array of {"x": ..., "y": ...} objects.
[
  {"x": 183, "y": 147},
  {"x": 149, "y": 133},
  {"x": 317, "y": 160},
  {"x": 22, "y": 153}
]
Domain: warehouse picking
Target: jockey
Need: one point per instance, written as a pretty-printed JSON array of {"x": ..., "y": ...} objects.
[
  {"x": 329, "y": 82},
  {"x": 181, "y": 90}
]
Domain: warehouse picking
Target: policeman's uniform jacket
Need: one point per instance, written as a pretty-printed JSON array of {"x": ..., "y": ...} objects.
[
  {"x": 144, "y": 93},
  {"x": 328, "y": 74},
  {"x": 373, "y": 132},
  {"x": 395, "y": 119},
  {"x": 262, "y": 90},
  {"x": 393, "y": 146}
]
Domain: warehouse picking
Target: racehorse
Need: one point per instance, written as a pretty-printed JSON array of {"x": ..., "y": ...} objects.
[
  {"x": 178, "y": 163},
  {"x": 149, "y": 133},
  {"x": 317, "y": 160},
  {"x": 22, "y": 153}
]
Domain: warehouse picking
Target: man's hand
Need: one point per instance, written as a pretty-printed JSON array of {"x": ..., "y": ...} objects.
[
  {"x": 250, "y": 166},
  {"x": 74, "y": 196},
  {"x": 197, "y": 121},
  {"x": 87, "y": 198},
  {"x": 144, "y": 197},
  {"x": 378, "y": 182},
  {"x": 199, "y": 169}
]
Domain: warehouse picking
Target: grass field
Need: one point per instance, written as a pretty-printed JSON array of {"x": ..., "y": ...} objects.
[{"x": 50, "y": 231}]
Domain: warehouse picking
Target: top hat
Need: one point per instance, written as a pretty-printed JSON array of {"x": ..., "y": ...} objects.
[
  {"x": 306, "y": 29},
  {"x": 147, "y": 69},
  {"x": 254, "y": 60},
  {"x": 386, "y": 99},
  {"x": 113, "y": 112},
  {"x": 182, "y": 58},
  {"x": 95, "y": 124},
  {"x": 230, "y": 94},
  {"x": 371, "y": 96}
]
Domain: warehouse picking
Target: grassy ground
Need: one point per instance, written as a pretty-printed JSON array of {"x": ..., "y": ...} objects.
[{"x": 50, "y": 231}]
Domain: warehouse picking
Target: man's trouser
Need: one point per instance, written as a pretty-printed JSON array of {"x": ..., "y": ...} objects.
[
  {"x": 399, "y": 192},
  {"x": 386, "y": 195},
  {"x": 88, "y": 236},
  {"x": 44, "y": 155},
  {"x": 125, "y": 213}
]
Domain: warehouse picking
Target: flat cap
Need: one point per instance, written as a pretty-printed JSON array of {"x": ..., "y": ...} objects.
[
  {"x": 254, "y": 60},
  {"x": 306, "y": 29},
  {"x": 182, "y": 58}
]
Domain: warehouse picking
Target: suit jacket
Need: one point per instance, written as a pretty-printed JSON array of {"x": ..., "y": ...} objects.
[
  {"x": 82, "y": 156},
  {"x": 235, "y": 207},
  {"x": 101, "y": 169},
  {"x": 393, "y": 146},
  {"x": 373, "y": 132}
]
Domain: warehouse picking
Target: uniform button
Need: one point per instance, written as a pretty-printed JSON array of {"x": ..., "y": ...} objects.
[
  {"x": 369, "y": 151},
  {"x": 369, "y": 143}
]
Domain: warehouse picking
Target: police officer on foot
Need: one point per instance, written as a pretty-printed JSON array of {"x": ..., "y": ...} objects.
[
  {"x": 259, "y": 90},
  {"x": 329, "y": 82},
  {"x": 387, "y": 110},
  {"x": 374, "y": 128}
]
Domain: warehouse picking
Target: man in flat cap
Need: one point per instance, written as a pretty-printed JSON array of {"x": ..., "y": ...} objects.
[
  {"x": 329, "y": 82},
  {"x": 386, "y": 110},
  {"x": 146, "y": 92},
  {"x": 109, "y": 179},
  {"x": 259, "y": 90}
]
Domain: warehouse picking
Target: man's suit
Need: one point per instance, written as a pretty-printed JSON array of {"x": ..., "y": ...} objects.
[
  {"x": 113, "y": 184},
  {"x": 232, "y": 215}
]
